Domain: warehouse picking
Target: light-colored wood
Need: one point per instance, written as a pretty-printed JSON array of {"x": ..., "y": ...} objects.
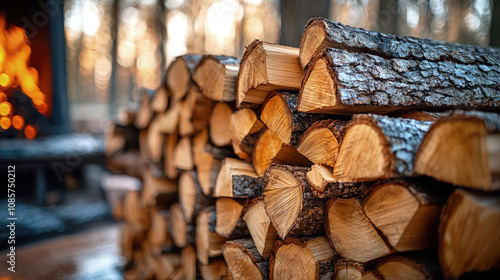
[
  {"x": 315, "y": 262},
  {"x": 179, "y": 73},
  {"x": 166, "y": 266},
  {"x": 207, "y": 167},
  {"x": 157, "y": 190},
  {"x": 145, "y": 114},
  {"x": 215, "y": 270},
  {"x": 133, "y": 214},
  {"x": 159, "y": 103},
  {"x": 267, "y": 67},
  {"x": 208, "y": 244},
  {"x": 183, "y": 154},
  {"x": 261, "y": 229},
  {"x": 229, "y": 212},
  {"x": 468, "y": 233},
  {"x": 351, "y": 233},
  {"x": 194, "y": 111},
  {"x": 319, "y": 176},
  {"x": 180, "y": 230},
  {"x": 113, "y": 141},
  {"x": 269, "y": 149},
  {"x": 168, "y": 159},
  {"x": 188, "y": 192},
  {"x": 243, "y": 123},
  {"x": 320, "y": 143},
  {"x": 313, "y": 40},
  {"x": 155, "y": 139},
  {"x": 398, "y": 267},
  {"x": 220, "y": 122},
  {"x": 459, "y": 152},
  {"x": 188, "y": 262},
  {"x": 244, "y": 261},
  {"x": 216, "y": 76},
  {"x": 404, "y": 215},
  {"x": 277, "y": 117},
  {"x": 348, "y": 270},
  {"x": 318, "y": 91},
  {"x": 234, "y": 169},
  {"x": 159, "y": 234}
]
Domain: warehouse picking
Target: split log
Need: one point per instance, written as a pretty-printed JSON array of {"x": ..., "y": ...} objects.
[
  {"x": 155, "y": 139},
  {"x": 468, "y": 233},
  {"x": 120, "y": 138},
  {"x": 344, "y": 82},
  {"x": 261, "y": 229},
  {"x": 168, "y": 159},
  {"x": 157, "y": 191},
  {"x": 351, "y": 233},
  {"x": 229, "y": 221},
  {"x": 143, "y": 146},
  {"x": 158, "y": 234},
  {"x": 159, "y": 103},
  {"x": 179, "y": 73},
  {"x": 127, "y": 243},
  {"x": 407, "y": 214},
  {"x": 266, "y": 67},
  {"x": 321, "y": 33},
  {"x": 290, "y": 204},
  {"x": 323, "y": 185},
  {"x": 269, "y": 149},
  {"x": 208, "y": 243},
  {"x": 129, "y": 163},
  {"x": 188, "y": 262},
  {"x": 306, "y": 258},
  {"x": 244, "y": 122},
  {"x": 216, "y": 75},
  {"x": 126, "y": 116},
  {"x": 348, "y": 270},
  {"x": 169, "y": 121},
  {"x": 191, "y": 197},
  {"x": 237, "y": 179},
  {"x": 400, "y": 267},
  {"x": 470, "y": 137},
  {"x": 321, "y": 141},
  {"x": 207, "y": 167},
  {"x": 182, "y": 233},
  {"x": 244, "y": 261},
  {"x": 136, "y": 218},
  {"x": 220, "y": 122},
  {"x": 145, "y": 114},
  {"x": 377, "y": 147},
  {"x": 280, "y": 115},
  {"x": 215, "y": 270},
  {"x": 194, "y": 112},
  {"x": 183, "y": 154},
  {"x": 371, "y": 275},
  {"x": 166, "y": 266}
]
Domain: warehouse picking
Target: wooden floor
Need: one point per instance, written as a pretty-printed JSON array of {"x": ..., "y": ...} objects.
[{"x": 92, "y": 254}]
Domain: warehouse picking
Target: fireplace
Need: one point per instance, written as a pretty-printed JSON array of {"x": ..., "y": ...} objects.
[{"x": 33, "y": 98}]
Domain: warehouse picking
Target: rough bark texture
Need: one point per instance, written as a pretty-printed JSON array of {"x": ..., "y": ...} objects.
[
  {"x": 343, "y": 190},
  {"x": 191, "y": 61},
  {"x": 403, "y": 138},
  {"x": 300, "y": 121},
  {"x": 219, "y": 153},
  {"x": 388, "y": 45},
  {"x": 362, "y": 79},
  {"x": 246, "y": 186},
  {"x": 248, "y": 143},
  {"x": 247, "y": 246},
  {"x": 222, "y": 59}
]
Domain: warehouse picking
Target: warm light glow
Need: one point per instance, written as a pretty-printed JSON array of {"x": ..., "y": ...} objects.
[
  {"x": 15, "y": 71},
  {"x": 5, "y": 108},
  {"x": 5, "y": 122},
  {"x": 18, "y": 122},
  {"x": 4, "y": 80},
  {"x": 3, "y": 97},
  {"x": 29, "y": 131}
]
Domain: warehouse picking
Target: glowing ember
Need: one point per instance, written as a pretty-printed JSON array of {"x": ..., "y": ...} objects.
[{"x": 5, "y": 122}]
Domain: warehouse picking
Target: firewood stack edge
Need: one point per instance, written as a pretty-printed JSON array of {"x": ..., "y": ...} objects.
[{"x": 359, "y": 155}]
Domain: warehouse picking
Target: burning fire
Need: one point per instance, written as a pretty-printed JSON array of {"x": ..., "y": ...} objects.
[{"x": 15, "y": 73}]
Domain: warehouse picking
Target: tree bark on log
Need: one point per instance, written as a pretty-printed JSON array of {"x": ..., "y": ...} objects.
[
  {"x": 323, "y": 185},
  {"x": 343, "y": 82},
  {"x": 237, "y": 179},
  {"x": 377, "y": 147},
  {"x": 321, "y": 33},
  {"x": 244, "y": 260}
]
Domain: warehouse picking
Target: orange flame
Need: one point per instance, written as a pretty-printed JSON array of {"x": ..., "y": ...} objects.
[{"x": 15, "y": 71}]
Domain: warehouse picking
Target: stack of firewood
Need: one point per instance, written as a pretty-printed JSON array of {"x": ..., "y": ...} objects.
[{"x": 334, "y": 160}]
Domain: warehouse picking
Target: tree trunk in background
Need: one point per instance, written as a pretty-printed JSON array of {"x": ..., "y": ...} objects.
[
  {"x": 162, "y": 33},
  {"x": 388, "y": 16},
  {"x": 294, "y": 16},
  {"x": 495, "y": 25},
  {"x": 114, "y": 62}
]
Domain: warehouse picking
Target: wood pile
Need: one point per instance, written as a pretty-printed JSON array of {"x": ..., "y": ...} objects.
[{"x": 336, "y": 160}]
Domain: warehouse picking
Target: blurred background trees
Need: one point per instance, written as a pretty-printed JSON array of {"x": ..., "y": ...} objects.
[{"x": 115, "y": 47}]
